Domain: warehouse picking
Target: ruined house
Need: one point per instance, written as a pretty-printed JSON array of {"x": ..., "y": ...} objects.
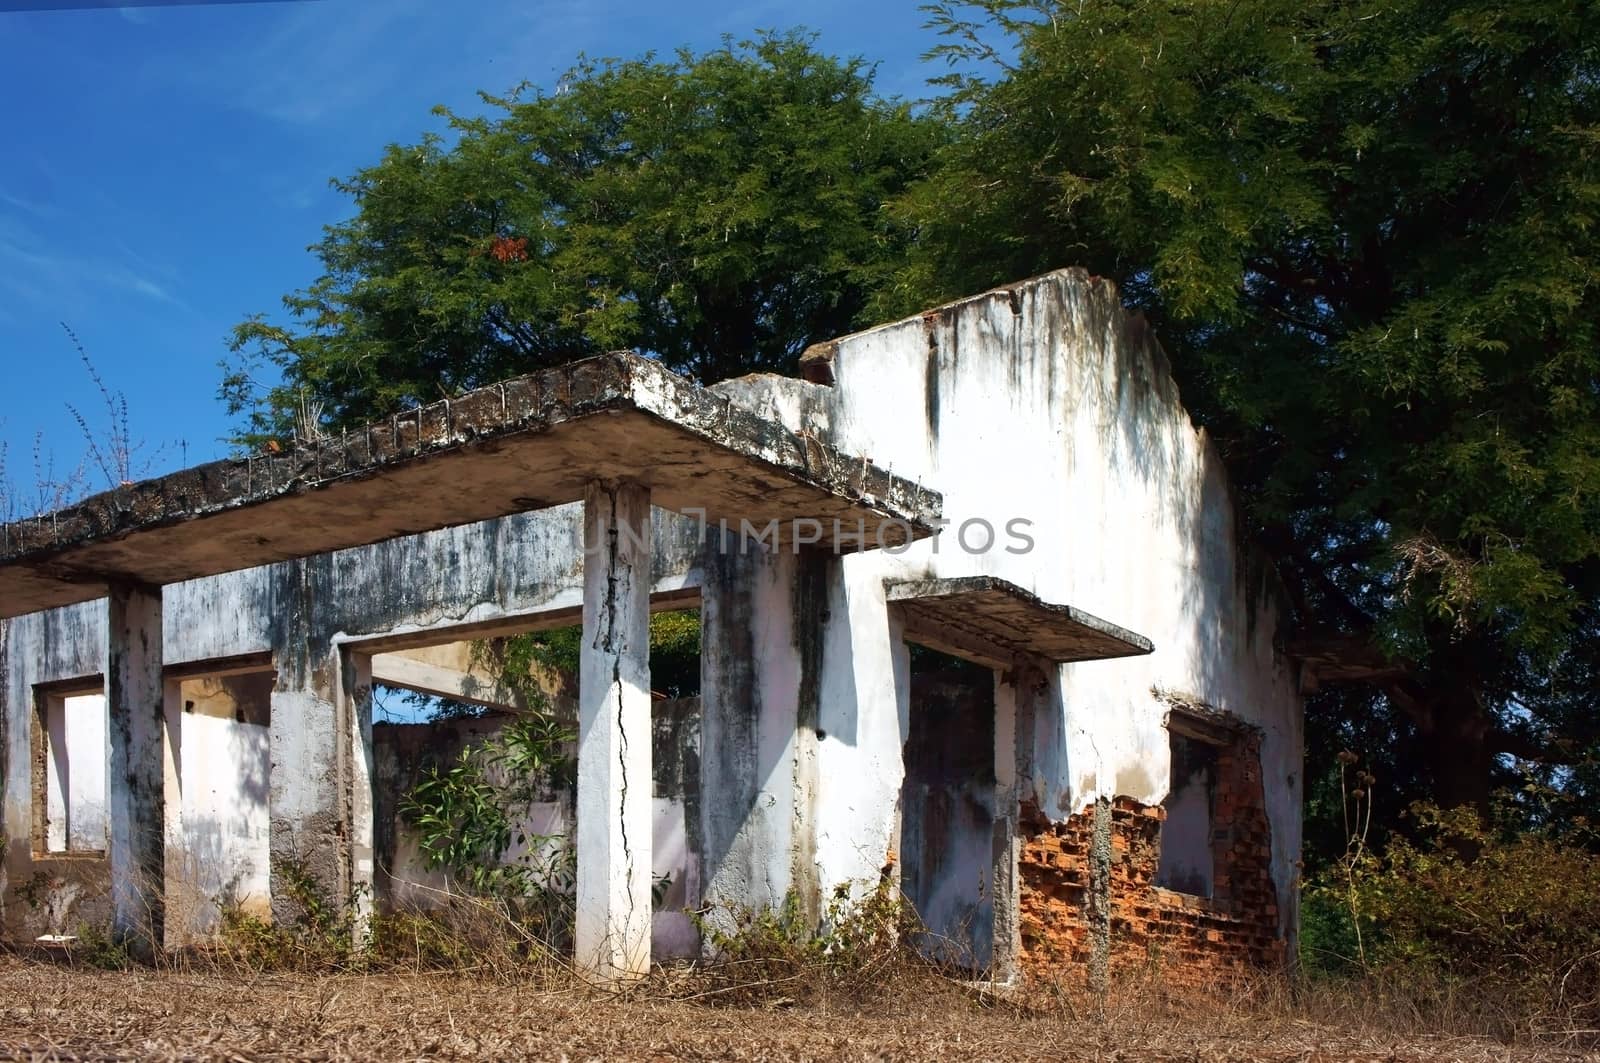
[{"x": 976, "y": 612}]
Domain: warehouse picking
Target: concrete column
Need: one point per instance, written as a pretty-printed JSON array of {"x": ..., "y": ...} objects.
[
  {"x": 757, "y": 738},
  {"x": 137, "y": 777},
  {"x": 357, "y": 671},
  {"x": 177, "y": 861},
  {"x": 1007, "y": 843},
  {"x": 309, "y": 742},
  {"x": 614, "y": 732}
]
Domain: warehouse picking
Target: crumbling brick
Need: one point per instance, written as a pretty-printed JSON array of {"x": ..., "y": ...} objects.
[{"x": 1191, "y": 940}]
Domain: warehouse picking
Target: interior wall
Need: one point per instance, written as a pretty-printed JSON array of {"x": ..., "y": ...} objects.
[
  {"x": 947, "y": 809},
  {"x": 402, "y": 753},
  {"x": 1187, "y": 864},
  {"x": 75, "y": 786},
  {"x": 223, "y": 762}
]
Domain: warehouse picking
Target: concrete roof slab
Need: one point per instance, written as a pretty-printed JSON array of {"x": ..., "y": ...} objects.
[
  {"x": 524, "y": 444},
  {"x": 992, "y": 621}
]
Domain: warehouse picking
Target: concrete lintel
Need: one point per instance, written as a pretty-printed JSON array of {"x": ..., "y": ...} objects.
[
  {"x": 447, "y": 671},
  {"x": 220, "y": 667},
  {"x": 521, "y": 445},
  {"x": 613, "y": 919},
  {"x": 565, "y": 611},
  {"x": 992, "y": 621},
  {"x": 136, "y": 704}
]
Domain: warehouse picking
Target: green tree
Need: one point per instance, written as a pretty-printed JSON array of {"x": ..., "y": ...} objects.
[
  {"x": 719, "y": 211},
  {"x": 1364, "y": 231}
]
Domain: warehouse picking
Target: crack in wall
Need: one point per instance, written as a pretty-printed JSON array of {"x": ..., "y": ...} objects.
[
  {"x": 613, "y": 644},
  {"x": 622, "y": 763}
]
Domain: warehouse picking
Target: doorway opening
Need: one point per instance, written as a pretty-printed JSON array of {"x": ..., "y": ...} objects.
[
  {"x": 947, "y": 808},
  {"x": 461, "y": 719},
  {"x": 218, "y": 845}
]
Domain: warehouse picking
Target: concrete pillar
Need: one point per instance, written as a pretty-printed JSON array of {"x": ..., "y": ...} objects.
[
  {"x": 757, "y": 739},
  {"x": 137, "y": 767},
  {"x": 1007, "y": 843},
  {"x": 357, "y": 672},
  {"x": 612, "y": 930},
  {"x": 309, "y": 738},
  {"x": 177, "y": 861}
]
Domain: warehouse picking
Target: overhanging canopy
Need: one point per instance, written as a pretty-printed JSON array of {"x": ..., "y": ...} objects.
[
  {"x": 992, "y": 621},
  {"x": 525, "y": 444}
]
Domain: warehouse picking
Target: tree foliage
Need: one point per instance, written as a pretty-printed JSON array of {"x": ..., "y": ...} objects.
[
  {"x": 1365, "y": 233},
  {"x": 720, "y": 211},
  {"x": 1512, "y": 924},
  {"x": 470, "y": 813}
]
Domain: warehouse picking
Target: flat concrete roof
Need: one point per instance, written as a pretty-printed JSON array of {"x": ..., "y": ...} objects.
[
  {"x": 992, "y": 620},
  {"x": 525, "y": 444}
]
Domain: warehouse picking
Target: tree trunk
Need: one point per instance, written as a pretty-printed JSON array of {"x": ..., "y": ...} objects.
[{"x": 1460, "y": 757}]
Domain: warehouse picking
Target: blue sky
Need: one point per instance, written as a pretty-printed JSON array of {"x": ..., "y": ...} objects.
[{"x": 163, "y": 169}]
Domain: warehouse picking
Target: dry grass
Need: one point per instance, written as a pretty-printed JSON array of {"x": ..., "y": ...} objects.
[{"x": 52, "y": 1011}]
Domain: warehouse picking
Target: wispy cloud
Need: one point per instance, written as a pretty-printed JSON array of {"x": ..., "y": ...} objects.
[
  {"x": 322, "y": 61},
  {"x": 326, "y": 64},
  {"x": 36, "y": 272},
  {"x": 26, "y": 206}
]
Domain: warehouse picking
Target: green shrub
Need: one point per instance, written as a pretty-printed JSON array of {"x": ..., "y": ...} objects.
[
  {"x": 320, "y": 934},
  {"x": 776, "y": 954},
  {"x": 1492, "y": 909},
  {"x": 96, "y": 947},
  {"x": 466, "y": 813}
]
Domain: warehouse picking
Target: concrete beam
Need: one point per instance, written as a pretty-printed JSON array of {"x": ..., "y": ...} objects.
[
  {"x": 446, "y": 671},
  {"x": 520, "y": 445},
  {"x": 614, "y": 732},
  {"x": 137, "y": 768}
]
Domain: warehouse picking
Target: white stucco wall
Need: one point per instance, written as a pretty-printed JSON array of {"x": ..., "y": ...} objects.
[
  {"x": 1046, "y": 402},
  {"x": 222, "y": 765},
  {"x": 1041, "y": 403},
  {"x": 75, "y": 776}
]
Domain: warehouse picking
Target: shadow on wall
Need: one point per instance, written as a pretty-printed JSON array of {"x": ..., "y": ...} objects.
[
  {"x": 758, "y": 683},
  {"x": 224, "y": 760},
  {"x": 404, "y": 752},
  {"x": 947, "y": 808},
  {"x": 1159, "y": 547}
]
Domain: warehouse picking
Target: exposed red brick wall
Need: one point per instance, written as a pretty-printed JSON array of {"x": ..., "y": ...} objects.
[{"x": 1089, "y": 913}]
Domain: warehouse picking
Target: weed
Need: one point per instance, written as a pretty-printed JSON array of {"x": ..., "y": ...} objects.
[{"x": 96, "y": 947}]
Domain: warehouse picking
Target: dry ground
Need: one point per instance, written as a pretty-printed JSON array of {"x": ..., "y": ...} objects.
[{"x": 48, "y": 1011}]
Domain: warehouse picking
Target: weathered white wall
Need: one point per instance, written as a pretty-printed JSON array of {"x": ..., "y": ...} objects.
[
  {"x": 754, "y": 752},
  {"x": 1045, "y": 402},
  {"x": 499, "y": 570},
  {"x": 222, "y": 768},
  {"x": 75, "y": 783},
  {"x": 302, "y": 613},
  {"x": 51, "y": 647},
  {"x": 62, "y": 645},
  {"x": 1041, "y": 403}
]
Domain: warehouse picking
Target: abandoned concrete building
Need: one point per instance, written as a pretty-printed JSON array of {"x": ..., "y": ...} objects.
[{"x": 976, "y": 618}]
